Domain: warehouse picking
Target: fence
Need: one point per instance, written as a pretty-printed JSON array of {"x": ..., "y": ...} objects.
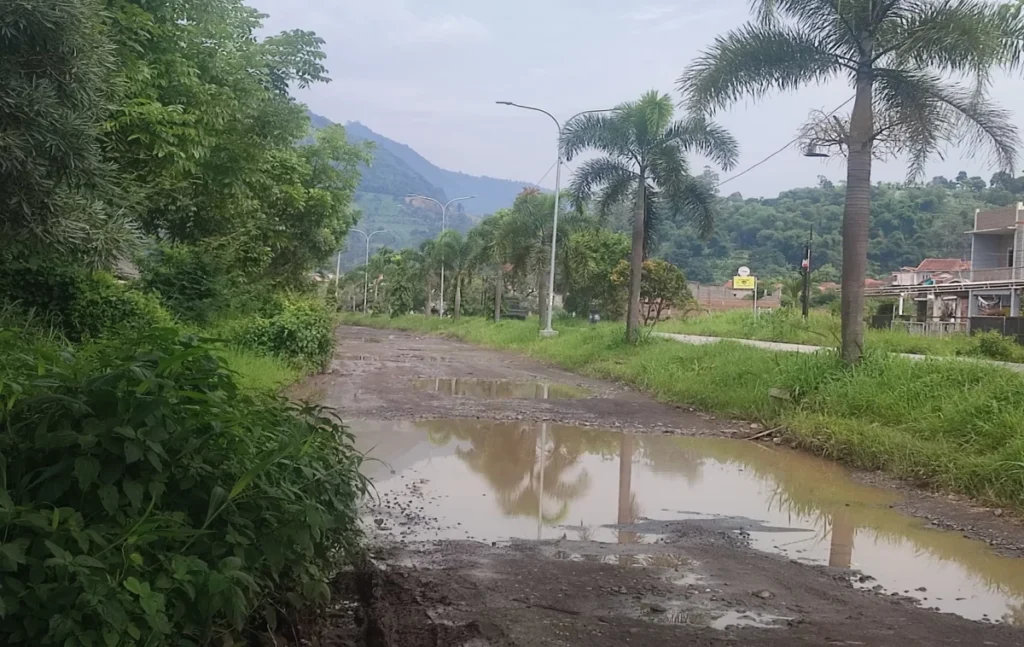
[{"x": 1006, "y": 326}]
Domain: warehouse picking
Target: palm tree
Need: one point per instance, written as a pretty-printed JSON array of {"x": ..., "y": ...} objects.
[
  {"x": 492, "y": 249},
  {"x": 645, "y": 162},
  {"x": 459, "y": 257},
  {"x": 895, "y": 54},
  {"x": 430, "y": 264},
  {"x": 525, "y": 237}
]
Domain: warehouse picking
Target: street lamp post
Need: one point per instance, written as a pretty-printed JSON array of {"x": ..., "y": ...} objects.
[
  {"x": 548, "y": 331},
  {"x": 444, "y": 210},
  {"x": 366, "y": 264}
]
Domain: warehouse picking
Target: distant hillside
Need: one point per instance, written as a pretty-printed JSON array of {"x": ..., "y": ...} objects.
[
  {"x": 383, "y": 205},
  {"x": 490, "y": 193}
]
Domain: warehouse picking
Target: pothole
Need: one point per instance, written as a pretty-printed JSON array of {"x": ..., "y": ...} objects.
[{"x": 499, "y": 389}]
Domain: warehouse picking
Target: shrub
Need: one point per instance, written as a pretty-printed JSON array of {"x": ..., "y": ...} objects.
[
  {"x": 193, "y": 282},
  {"x": 302, "y": 332},
  {"x": 992, "y": 345},
  {"x": 146, "y": 500},
  {"x": 81, "y": 303}
]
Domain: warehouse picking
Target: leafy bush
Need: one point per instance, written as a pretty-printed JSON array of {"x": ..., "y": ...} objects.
[
  {"x": 82, "y": 304},
  {"x": 992, "y": 345},
  {"x": 192, "y": 281},
  {"x": 146, "y": 500},
  {"x": 302, "y": 332}
]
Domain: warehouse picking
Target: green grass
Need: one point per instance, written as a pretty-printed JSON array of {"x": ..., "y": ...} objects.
[
  {"x": 958, "y": 426},
  {"x": 264, "y": 373},
  {"x": 820, "y": 329}
]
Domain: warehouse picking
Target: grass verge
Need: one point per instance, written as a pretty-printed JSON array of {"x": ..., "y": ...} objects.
[
  {"x": 958, "y": 426},
  {"x": 822, "y": 329}
]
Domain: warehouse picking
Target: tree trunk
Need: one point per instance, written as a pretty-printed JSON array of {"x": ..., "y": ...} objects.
[
  {"x": 636, "y": 264},
  {"x": 499, "y": 288},
  {"x": 458, "y": 296},
  {"x": 857, "y": 218}
]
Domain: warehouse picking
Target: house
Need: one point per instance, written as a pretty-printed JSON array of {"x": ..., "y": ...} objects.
[
  {"x": 997, "y": 260},
  {"x": 935, "y": 270}
]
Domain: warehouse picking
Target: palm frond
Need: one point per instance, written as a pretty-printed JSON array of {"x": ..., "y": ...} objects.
[
  {"x": 614, "y": 192},
  {"x": 696, "y": 133},
  {"x": 606, "y": 132},
  {"x": 682, "y": 194},
  {"x": 925, "y": 112},
  {"x": 599, "y": 172},
  {"x": 952, "y": 36},
  {"x": 837, "y": 22},
  {"x": 754, "y": 60}
]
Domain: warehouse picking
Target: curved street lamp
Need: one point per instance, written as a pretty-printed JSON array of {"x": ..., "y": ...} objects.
[
  {"x": 366, "y": 264},
  {"x": 444, "y": 210},
  {"x": 548, "y": 331}
]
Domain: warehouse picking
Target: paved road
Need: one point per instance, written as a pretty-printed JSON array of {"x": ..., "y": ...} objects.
[{"x": 804, "y": 348}]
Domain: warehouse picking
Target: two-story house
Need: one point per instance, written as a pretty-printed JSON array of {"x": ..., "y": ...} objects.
[{"x": 997, "y": 261}]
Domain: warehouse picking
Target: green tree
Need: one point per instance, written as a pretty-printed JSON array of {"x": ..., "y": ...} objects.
[
  {"x": 492, "y": 250},
  {"x": 56, "y": 193},
  {"x": 645, "y": 163},
  {"x": 663, "y": 287},
  {"x": 460, "y": 259},
  {"x": 525, "y": 236},
  {"x": 895, "y": 54},
  {"x": 591, "y": 255}
]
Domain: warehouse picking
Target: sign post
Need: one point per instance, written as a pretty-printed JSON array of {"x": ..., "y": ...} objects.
[{"x": 744, "y": 281}]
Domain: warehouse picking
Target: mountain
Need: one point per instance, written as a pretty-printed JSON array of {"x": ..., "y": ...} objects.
[
  {"x": 490, "y": 194},
  {"x": 398, "y": 171}
]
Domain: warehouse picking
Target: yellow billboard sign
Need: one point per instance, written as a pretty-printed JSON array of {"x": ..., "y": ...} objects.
[{"x": 744, "y": 282}]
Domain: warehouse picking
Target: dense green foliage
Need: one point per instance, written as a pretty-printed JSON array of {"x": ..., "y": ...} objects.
[
  {"x": 153, "y": 488},
  {"x": 81, "y": 303},
  {"x": 910, "y": 222},
  {"x": 944, "y": 422},
  {"x": 145, "y": 499},
  {"x": 302, "y": 332}
]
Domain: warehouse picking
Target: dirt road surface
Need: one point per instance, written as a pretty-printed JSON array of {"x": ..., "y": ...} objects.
[{"x": 658, "y": 525}]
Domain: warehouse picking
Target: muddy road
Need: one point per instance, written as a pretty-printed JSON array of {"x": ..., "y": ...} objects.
[{"x": 523, "y": 505}]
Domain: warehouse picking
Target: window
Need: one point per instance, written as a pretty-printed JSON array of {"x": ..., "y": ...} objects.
[{"x": 1009, "y": 257}]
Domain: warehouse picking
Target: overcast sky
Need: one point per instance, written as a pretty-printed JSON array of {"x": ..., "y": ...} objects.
[{"x": 427, "y": 74}]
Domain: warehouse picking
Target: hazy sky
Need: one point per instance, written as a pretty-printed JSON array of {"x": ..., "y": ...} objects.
[{"x": 427, "y": 74}]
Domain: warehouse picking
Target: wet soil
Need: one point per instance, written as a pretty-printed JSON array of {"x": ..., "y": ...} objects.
[{"x": 553, "y": 527}]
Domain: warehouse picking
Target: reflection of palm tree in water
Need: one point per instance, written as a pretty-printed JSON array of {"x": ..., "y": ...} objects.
[
  {"x": 627, "y": 508},
  {"x": 840, "y": 552},
  {"x": 515, "y": 467}
]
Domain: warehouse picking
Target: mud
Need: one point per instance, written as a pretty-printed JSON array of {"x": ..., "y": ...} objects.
[{"x": 552, "y": 527}]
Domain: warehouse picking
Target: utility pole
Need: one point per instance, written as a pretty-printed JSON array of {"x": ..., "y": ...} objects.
[{"x": 805, "y": 267}]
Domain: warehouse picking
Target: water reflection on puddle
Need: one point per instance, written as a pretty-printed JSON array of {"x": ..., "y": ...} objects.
[
  {"x": 499, "y": 389},
  {"x": 485, "y": 480}
]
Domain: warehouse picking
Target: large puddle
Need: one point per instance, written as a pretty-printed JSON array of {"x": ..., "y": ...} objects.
[
  {"x": 499, "y": 389},
  {"x": 495, "y": 481}
]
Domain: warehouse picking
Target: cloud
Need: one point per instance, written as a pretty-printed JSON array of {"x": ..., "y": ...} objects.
[
  {"x": 442, "y": 29},
  {"x": 647, "y": 14}
]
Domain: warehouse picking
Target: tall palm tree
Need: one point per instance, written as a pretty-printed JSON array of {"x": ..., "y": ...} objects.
[
  {"x": 459, "y": 257},
  {"x": 645, "y": 162},
  {"x": 895, "y": 54}
]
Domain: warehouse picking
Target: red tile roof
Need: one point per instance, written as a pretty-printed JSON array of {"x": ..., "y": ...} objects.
[{"x": 943, "y": 265}]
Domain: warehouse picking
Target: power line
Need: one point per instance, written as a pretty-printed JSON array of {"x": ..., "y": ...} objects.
[
  {"x": 546, "y": 173},
  {"x": 788, "y": 144}
]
